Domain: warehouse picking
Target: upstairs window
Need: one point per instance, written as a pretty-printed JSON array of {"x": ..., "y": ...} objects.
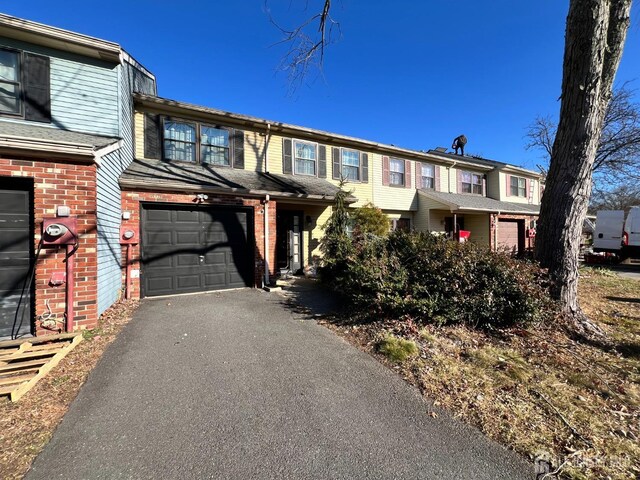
[
  {"x": 179, "y": 141},
  {"x": 396, "y": 172},
  {"x": 518, "y": 187},
  {"x": 305, "y": 158},
  {"x": 471, "y": 183},
  {"x": 214, "y": 146},
  {"x": 10, "y": 98},
  {"x": 351, "y": 165},
  {"x": 428, "y": 176}
]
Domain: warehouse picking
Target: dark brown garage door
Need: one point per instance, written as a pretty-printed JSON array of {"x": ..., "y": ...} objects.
[
  {"x": 509, "y": 235},
  {"x": 191, "y": 249},
  {"x": 15, "y": 259}
]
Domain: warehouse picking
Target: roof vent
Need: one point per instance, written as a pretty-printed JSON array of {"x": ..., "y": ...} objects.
[{"x": 441, "y": 149}]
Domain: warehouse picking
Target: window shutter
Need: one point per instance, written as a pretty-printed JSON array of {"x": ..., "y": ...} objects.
[
  {"x": 385, "y": 170},
  {"x": 419, "y": 175},
  {"x": 238, "y": 149},
  {"x": 322, "y": 161},
  {"x": 528, "y": 193},
  {"x": 459, "y": 190},
  {"x": 484, "y": 185},
  {"x": 508, "y": 185},
  {"x": 287, "y": 163},
  {"x": 336, "y": 163},
  {"x": 365, "y": 168},
  {"x": 152, "y": 144},
  {"x": 407, "y": 174},
  {"x": 437, "y": 182},
  {"x": 37, "y": 87}
]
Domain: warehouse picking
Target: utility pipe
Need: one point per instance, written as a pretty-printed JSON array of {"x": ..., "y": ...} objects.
[
  {"x": 70, "y": 288},
  {"x": 127, "y": 284},
  {"x": 266, "y": 240},
  {"x": 266, "y": 148}
]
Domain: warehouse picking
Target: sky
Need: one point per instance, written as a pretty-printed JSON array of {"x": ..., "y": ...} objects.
[{"x": 410, "y": 73}]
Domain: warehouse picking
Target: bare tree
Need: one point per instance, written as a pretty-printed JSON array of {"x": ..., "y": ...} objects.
[
  {"x": 594, "y": 39},
  {"x": 617, "y": 159},
  {"x": 306, "y": 43},
  {"x": 622, "y": 197}
]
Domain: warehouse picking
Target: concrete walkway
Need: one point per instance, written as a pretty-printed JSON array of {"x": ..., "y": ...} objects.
[{"x": 237, "y": 385}]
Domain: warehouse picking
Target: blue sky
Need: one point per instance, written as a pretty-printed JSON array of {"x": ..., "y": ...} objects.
[{"x": 411, "y": 73}]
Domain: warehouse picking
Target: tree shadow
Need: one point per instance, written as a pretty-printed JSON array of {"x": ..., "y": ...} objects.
[{"x": 623, "y": 299}]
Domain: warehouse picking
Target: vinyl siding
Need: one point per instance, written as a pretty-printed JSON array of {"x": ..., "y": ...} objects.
[
  {"x": 424, "y": 217},
  {"x": 84, "y": 91},
  {"x": 313, "y": 234},
  {"x": 479, "y": 227},
  {"x": 388, "y": 197},
  {"x": 254, "y": 146},
  {"x": 493, "y": 185},
  {"x": 513, "y": 199},
  {"x": 109, "y": 212}
]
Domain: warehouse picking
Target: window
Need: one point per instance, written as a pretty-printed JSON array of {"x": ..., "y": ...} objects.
[
  {"x": 471, "y": 183},
  {"x": 518, "y": 186},
  {"x": 214, "y": 146},
  {"x": 351, "y": 165},
  {"x": 396, "y": 172},
  {"x": 305, "y": 158},
  {"x": 428, "y": 176},
  {"x": 179, "y": 141},
  {"x": 403, "y": 224},
  {"x": 10, "y": 98}
]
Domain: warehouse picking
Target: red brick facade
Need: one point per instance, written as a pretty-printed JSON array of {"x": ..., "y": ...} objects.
[
  {"x": 131, "y": 203},
  {"x": 74, "y": 185}
]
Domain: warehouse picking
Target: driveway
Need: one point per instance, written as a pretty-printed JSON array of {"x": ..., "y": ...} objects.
[{"x": 236, "y": 385}]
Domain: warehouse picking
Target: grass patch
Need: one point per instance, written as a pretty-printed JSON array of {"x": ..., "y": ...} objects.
[
  {"x": 535, "y": 389},
  {"x": 397, "y": 349},
  {"x": 27, "y": 425}
]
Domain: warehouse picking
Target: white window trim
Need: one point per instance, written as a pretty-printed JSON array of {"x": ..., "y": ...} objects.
[
  {"x": 293, "y": 157},
  {"x": 404, "y": 172},
  {"x": 526, "y": 195},
  {"x": 342, "y": 150}
]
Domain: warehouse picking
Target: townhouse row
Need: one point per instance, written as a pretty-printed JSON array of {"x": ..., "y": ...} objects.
[{"x": 149, "y": 196}]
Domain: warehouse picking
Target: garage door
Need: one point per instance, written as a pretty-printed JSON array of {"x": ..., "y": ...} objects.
[
  {"x": 190, "y": 249},
  {"x": 508, "y": 235},
  {"x": 15, "y": 261}
]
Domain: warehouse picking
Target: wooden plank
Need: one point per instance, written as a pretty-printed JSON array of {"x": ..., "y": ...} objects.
[
  {"x": 37, "y": 340},
  {"x": 15, "y": 379},
  {"x": 26, "y": 386},
  {"x": 21, "y": 365},
  {"x": 26, "y": 355}
]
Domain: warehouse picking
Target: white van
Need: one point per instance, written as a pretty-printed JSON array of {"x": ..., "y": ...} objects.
[{"x": 614, "y": 234}]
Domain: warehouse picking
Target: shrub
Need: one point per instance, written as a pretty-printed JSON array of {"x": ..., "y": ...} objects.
[
  {"x": 369, "y": 220},
  {"x": 432, "y": 279},
  {"x": 397, "y": 349}
]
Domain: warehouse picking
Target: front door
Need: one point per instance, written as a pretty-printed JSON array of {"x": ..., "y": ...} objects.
[{"x": 289, "y": 241}]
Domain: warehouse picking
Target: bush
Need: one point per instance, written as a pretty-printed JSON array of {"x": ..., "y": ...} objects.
[
  {"x": 369, "y": 220},
  {"x": 433, "y": 279}
]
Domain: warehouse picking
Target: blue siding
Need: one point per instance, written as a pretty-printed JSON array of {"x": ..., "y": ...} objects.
[
  {"x": 109, "y": 210},
  {"x": 84, "y": 91}
]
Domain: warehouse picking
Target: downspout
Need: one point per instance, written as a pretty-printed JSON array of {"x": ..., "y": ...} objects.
[
  {"x": 266, "y": 148},
  {"x": 70, "y": 313},
  {"x": 266, "y": 280}
]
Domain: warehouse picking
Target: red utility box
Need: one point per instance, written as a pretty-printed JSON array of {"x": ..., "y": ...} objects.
[
  {"x": 128, "y": 235},
  {"x": 464, "y": 235},
  {"x": 60, "y": 231}
]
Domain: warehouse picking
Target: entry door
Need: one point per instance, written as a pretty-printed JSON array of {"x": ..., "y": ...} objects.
[
  {"x": 16, "y": 248},
  {"x": 289, "y": 240}
]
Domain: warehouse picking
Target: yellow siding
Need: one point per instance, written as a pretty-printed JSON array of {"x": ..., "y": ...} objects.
[
  {"x": 254, "y": 144},
  {"x": 493, "y": 185},
  {"x": 313, "y": 234},
  {"x": 275, "y": 154},
  {"x": 436, "y": 220},
  {"x": 424, "y": 219},
  {"x": 479, "y": 227},
  {"x": 506, "y": 198},
  {"x": 391, "y": 198},
  {"x": 139, "y": 135}
]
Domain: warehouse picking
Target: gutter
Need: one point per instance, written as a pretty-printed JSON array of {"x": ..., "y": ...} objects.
[{"x": 38, "y": 147}]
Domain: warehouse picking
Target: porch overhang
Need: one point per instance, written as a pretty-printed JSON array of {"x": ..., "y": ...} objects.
[{"x": 467, "y": 203}]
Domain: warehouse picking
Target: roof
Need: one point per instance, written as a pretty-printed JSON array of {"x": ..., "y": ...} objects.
[
  {"x": 478, "y": 203},
  {"x": 235, "y": 119},
  {"x": 482, "y": 161},
  {"x": 37, "y": 132},
  {"x": 183, "y": 176},
  {"x": 58, "y": 38}
]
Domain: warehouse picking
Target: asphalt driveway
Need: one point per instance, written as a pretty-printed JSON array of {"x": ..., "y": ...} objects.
[{"x": 236, "y": 385}]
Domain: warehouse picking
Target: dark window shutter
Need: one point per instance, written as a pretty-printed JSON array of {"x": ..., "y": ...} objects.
[
  {"x": 152, "y": 145},
  {"x": 365, "y": 168},
  {"x": 407, "y": 174},
  {"x": 37, "y": 86},
  {"x": 385, "y": 170},
  {"x": 337, "y": 171},
  {"x": 322, "y": 161},
  {"x": 287, "y": 163},
  {"x": 437, "y": 182},
  {"x": 238, "y": 149}
]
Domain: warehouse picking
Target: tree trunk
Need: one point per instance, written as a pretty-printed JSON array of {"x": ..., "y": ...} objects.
[{"x": 594, "y": 40}]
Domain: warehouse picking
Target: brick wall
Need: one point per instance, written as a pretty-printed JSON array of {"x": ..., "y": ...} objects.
[
  {"x": 131, "y": 203},
  {"x": 73, "y": 185}
]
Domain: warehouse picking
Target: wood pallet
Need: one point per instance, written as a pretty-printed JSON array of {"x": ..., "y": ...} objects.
[{"x": 24, "y": 362}]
